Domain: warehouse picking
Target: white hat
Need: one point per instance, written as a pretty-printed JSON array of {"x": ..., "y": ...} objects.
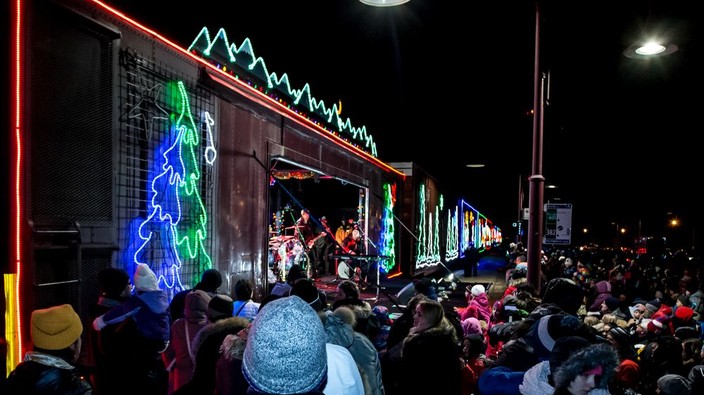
[
  {"x": 478, "y": 289},
  {"x": 145, "y": 279}
]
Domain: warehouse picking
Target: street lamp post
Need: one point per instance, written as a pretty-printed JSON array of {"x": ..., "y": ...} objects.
[{"x": 535, "y": 200}]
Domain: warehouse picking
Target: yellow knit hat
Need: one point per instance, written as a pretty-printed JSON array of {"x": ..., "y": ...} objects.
[{"x": 55, "y": 328}]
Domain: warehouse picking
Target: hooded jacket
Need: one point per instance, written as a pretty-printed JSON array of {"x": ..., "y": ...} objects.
[
  {"x": 361, "y": 348},
  {"x": 179, "y": 356},
  {"x": 587, "y": 358}
]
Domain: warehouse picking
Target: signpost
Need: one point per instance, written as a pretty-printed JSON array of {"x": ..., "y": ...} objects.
[{"x": 558, "y": 224}]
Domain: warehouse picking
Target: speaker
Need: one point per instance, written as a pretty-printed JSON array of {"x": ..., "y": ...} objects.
[{"x": 406, "y": 293}]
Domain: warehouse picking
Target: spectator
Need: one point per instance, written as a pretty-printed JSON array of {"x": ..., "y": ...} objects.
[
  {"x": 286, "y": 350},
  {"x": 432, "y": 338},
  {"x": 348, "y": 295},
  {"x": 696, "y": 378},
  {"x": 477, "y": 304},
  {"x": 402, "y": 325},
  {"x": 539, "y": 379},
  {"x": 588, "y": 369},
  {"x": 147, "y": 308},
  {"x": 244, "y": 306},
  {"x": 207, "y": 344},
  {"x": 473, "y": 362},
  {"x": 179, "y": 357},
  {"x": 339, "y": 330},
  {"x": 674, "y": 384},
  {"x": 210, "y": 281},
  {"x": 49, "y": 368},
  {"x": 107, "y": 351}
]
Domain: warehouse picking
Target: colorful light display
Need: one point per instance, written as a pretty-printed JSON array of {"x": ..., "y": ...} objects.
[{"x": 242, "y": 62}]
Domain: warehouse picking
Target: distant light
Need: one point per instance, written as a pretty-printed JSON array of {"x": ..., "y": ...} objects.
[
  {"x": 384, "y": 3},
  {"x": 649, "y": 50},
  {"x": 476, "y": 165},
  {"x": 551, "y": 186}
]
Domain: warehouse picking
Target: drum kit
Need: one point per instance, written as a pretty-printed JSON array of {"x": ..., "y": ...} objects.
[{"x": 289, "y": 250}]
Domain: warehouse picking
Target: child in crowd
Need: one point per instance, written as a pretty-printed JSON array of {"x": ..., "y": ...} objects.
[{"x": 148, "y": 306}]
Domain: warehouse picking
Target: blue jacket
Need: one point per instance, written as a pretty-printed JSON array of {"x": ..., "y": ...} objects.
[{"x": 149, "y": 310}]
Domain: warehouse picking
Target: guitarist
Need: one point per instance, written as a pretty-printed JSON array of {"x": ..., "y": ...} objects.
[{"x": 322, "y": 246}]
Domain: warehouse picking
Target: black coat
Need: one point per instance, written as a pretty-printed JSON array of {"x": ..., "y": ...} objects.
[{"x": 31, "y": 377}]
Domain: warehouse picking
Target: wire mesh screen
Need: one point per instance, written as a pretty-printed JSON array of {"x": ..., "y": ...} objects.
[
  {"x": 165, "y": 172},
  {"x": 71, "y": 130}
]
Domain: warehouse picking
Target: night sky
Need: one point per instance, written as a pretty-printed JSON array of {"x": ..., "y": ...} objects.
[{"x": 454, "y": 80}]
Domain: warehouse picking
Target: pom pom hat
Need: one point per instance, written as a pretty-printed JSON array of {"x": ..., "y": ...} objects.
[
  {"x": 478, "y": 290},
  {"x": 286, "y": 352},
  {"x": 145, "y": 279},
  {"x": 55, "y": 328}
]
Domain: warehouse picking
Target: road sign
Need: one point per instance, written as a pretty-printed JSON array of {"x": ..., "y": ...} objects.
[{"x": 558, "y": 224}]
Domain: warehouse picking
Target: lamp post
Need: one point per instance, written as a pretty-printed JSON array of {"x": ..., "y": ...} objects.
[{"x": 535, "y": 199}]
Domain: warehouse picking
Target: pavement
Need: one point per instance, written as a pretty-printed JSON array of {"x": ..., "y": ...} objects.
[{"x": 490, "y": 273}]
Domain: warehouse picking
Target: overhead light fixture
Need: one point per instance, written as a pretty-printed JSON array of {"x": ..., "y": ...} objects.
[
  {"x": 649, "y": 49},
  {"x": 384, "y": 3},
  {"x": 476, "y": 165},
  {"x": 655, "y": 37}
]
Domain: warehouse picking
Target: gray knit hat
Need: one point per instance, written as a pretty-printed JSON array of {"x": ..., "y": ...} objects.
[
  {"x": 674, "y": 384},
  {"x": 286, "y": 351}
]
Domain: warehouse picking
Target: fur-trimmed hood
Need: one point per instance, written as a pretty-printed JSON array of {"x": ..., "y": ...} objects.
[
  {"x": 338, "y": 332},
  {"x": 585, "y": 359},
  {"x": 233, "y": 347},
  {"x": 228, "y": 325},
  {"x": 361, "y": 308}
]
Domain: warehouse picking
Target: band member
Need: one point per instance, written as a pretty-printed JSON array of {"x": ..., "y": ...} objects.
[
  {"x": 304, "y": 228},
  {"x": 352, "y": 243},
  {"x": 323, "y": 247}
]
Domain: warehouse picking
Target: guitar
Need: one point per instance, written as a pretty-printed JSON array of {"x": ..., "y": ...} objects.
[{"x": 312, "y": 241}]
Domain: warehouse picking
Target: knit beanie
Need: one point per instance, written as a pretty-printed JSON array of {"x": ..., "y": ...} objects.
[
  {"x": 144, "y": 278},
  {"x": 674, "y": 384},
  {"x": 294, "y": 273},
  {"x": 471, "y": 326},
  {"x": 55, "y": 328},
  {"x": 696, "y": 377},
  {"x": 307, "y": 291},
  {"x": 659, "y": 325},
  {"x": 611, "y": 303},
  {"x": 210, "y": 281},
  {"x": 564, "y": 293},
  {"x": 286, "y": 351},
  {"x": 478, "y": 290},
  {"x": 196, "y": 305},
  {"x": 628, "y": 372},
  {"x": 684, "y": 314},
  {"x": 683, "y": 299},
  {"x": 219, "y": 307},
  {"x": 113, "y": 281},
  {"x": 620, "y": 335},
  {"x": 555, "y": 326}
]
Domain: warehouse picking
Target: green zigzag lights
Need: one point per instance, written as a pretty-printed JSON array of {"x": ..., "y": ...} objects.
[
  {"x": 387, "y": 242},
  {"x": 226, "y": 55},
  {"x": 173, "y": 190}
]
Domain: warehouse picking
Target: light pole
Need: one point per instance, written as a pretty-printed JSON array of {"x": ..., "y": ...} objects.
[{"x": 535, "y": 199}]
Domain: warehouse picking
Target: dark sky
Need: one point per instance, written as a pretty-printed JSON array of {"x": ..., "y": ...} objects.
[{"x": 445, "y": 83}]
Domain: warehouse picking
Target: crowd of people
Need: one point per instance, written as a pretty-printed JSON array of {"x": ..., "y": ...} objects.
[{"x": 601, "y": 324}]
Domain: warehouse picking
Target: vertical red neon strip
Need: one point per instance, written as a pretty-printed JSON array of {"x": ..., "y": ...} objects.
[{"x": 18, "y": 167}]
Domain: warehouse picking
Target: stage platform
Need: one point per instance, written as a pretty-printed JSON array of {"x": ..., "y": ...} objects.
[{"x": 491, "y": 274}]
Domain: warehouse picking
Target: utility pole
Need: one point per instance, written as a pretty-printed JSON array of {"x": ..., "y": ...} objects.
[{"x": 535, "y": 199}]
